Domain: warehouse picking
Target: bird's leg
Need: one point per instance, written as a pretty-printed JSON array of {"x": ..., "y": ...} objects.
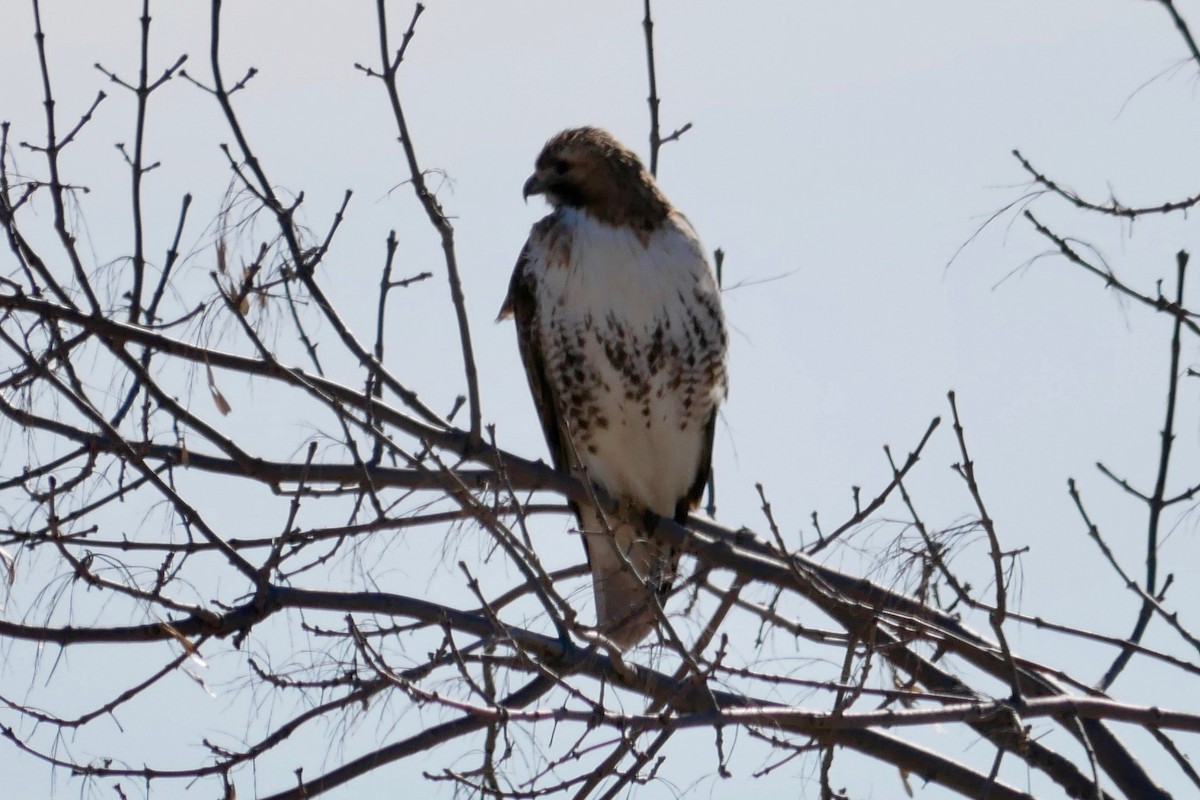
[
  {"x": 627, "y": 514},
  {"x": 662, "y": 570}
]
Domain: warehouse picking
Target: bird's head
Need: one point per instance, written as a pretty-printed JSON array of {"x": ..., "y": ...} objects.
[{"x": 588, "y": 169}]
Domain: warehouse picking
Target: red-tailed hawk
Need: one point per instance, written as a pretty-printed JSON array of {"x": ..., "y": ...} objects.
[{"x": 620, "y": 328}]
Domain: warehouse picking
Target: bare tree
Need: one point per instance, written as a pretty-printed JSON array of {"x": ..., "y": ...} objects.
[{"x": 121, "y": 463}]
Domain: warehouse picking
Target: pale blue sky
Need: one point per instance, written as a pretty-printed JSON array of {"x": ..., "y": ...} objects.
[{"x": 841, "y": 154}]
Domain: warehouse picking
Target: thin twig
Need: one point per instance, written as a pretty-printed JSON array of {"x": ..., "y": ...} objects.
[
  {"x": 1157, "y": 500},
  {"x": 390, "y": 67}
]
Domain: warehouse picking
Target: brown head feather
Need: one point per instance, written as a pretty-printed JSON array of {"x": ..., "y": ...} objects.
[{"x": 587, "y": 168}]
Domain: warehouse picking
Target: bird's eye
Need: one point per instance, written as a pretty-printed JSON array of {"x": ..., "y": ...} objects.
[{"x": 561, "y": 167}]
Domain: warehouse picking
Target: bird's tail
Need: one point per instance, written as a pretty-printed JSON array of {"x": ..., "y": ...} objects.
[{"x": 625, "y": 597}]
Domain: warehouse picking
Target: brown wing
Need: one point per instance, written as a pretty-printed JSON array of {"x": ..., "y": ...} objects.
[
  {"x": 521, "y": 303},
  {"x": 692, "y": 499}
]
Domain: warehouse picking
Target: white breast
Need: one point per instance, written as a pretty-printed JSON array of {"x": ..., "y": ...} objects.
[{"x": 633, "y": 339}]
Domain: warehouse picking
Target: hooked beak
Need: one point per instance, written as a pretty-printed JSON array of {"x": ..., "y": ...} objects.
[{"x": 532, "y": 186}]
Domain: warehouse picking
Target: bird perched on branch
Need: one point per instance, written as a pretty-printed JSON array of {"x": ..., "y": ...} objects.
[{"x": 621, "y": 332}]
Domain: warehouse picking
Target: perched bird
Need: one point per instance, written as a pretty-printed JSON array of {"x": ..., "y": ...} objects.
[{"x": 620, "y": 328}]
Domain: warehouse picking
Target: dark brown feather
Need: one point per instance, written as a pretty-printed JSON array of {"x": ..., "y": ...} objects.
[
  {"x": 522, "y": 303},
  {"x": 691, "y": 500}
]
